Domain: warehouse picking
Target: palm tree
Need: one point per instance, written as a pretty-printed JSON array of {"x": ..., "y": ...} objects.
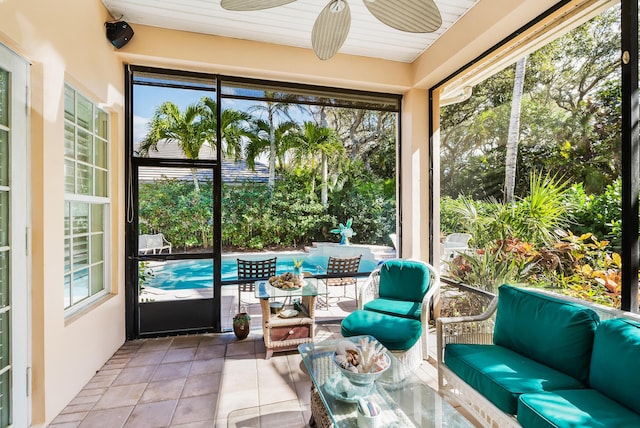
[
  {"x": 170, "y": 125},
  {"x": 514, "y": 131},
  {"x": 233, "y": 127},
  {"x": 273, "y": 111},
  {"x": 314, "y": 140},
  {"x": 263, "y": 138}
]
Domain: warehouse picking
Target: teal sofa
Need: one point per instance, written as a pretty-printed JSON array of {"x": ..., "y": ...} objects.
[{"x": 539, "y": 360}]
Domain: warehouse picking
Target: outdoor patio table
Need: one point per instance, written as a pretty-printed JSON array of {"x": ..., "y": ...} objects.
[
  {"x": 403, "y": 398},
  {"x": 282, "y": 334}
]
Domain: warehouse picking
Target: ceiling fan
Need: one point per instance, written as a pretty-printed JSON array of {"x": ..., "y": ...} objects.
[{"x": 332, "y": 25}]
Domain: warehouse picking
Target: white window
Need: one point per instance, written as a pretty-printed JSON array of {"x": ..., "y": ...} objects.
[{"x": 86, "y": 171}]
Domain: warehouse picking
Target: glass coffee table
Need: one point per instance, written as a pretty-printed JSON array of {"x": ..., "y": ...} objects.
[{"x": 403, "y": 398}]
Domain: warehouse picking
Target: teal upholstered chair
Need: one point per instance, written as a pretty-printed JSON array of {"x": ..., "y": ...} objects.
[{"x": 404, "y": 289}]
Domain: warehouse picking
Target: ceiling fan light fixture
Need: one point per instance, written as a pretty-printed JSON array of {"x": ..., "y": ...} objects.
[
  {"x": 411, "y": 16},
  {"x": 337, "y": 6},
  {"x": 332, "y": 25},
  {"x": 248, "y": 5},
  {"x": 331, "y": 29}
]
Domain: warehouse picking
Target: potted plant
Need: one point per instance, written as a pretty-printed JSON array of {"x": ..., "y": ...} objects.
[
  {"x": 241, "y": 325},
  {"x": 297, "y": 268}
]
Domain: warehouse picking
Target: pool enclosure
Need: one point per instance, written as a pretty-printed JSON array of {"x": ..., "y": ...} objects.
[{"x": 203, "y": 200}]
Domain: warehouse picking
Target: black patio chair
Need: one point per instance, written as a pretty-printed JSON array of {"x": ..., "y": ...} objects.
[{"x": 255, "y": 270}]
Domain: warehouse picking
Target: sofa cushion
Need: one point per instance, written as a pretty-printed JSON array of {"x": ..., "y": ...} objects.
[
  {"x": 549, "y": 330},
  {"x": 614, "y": 362},
  {"x": 501, "y": 374},
  {"x": 573, "y": 408},
  {"x": 400, "y": 308},
  {"x": 403, "y": 280},
  {"x": 395, "y": 333}
]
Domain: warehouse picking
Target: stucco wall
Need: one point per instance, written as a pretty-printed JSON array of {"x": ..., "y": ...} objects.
[{"x": 65, "y": 41}]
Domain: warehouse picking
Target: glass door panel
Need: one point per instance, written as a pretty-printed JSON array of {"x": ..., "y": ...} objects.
[
  {"x": 175, "y": 248},
  {"x": 173, "y": 158}
]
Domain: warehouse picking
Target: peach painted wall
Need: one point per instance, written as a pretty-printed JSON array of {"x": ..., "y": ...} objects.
[{"x": 65, "y": 41}]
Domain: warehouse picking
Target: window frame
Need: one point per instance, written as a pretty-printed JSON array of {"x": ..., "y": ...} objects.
[{"x": 90, "y": 198}]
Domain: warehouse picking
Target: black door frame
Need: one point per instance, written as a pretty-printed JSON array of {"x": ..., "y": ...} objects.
[{"x": 187, "y": 316}]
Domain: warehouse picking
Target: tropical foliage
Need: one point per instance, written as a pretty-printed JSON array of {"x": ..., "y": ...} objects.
[{"x": 562, "y": 229}]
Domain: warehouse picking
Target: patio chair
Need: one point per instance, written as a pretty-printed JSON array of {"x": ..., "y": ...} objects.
[
  {"x": 394, "y": 307},
  {"x": 394, "y": 240},
  {"x": 454, "y": 243},
  {"x": 337, "y": 265},
  {"x": 255, "y": 270},
  {"x": 155, "y": 244}
]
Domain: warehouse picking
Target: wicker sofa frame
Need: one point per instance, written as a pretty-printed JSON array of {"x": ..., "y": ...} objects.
[{"x": 478, "y": 329}]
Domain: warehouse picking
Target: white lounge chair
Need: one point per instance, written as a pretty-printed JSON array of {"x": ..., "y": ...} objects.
[
  {"x": 153, "y": 244},
  {"x": 453, "y": 244}
]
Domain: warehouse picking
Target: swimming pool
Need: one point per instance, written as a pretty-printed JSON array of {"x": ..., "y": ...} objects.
[{"x": 190, "y": 274}]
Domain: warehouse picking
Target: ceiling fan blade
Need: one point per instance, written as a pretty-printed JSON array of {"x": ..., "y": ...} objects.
[
  {"x": 412, "y": 16},
  {"x": 331, "y": 29},
  {"x": 242, "y": 5}
]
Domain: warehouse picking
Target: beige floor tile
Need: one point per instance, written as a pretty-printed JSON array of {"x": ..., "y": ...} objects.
[
  {"x": 158, "y": 344},
  {"x": 179, "y": 355},
  {"x": 69, "y": 417},
  {"x": 146, "y": 358},
  {"x": 195, "y": 409},
  {"x": 120, "y": 396},
  {"x": 210, "y": 423},
  {"x": 172, "y": 371},
  {"x": 188, "y": 341},
  {"x": 74, "y": 424},
  {"x": 215, "y": 339},
  {"x": 235, "y": 400},
  {"x": 85, "y": 399},
  {"x": 288, "y": 419},
  {"x": 274, "y": 393},
  {"x": 77, "y": 408},
  {"x": 108, "y": 418},
  {"x": 210, "y": 352},
  {"x": 207, "y": 366},
  {"x": 202, "y": 385},
  {"x": 151, "y": 415},
  {"x": 117, "y": 360},
  {"x": 90, "y": 392},
  {"x": 109, "y": 371},
  {"x": 163, "y": 390},
  {"x": 131, "y": 375},
  {"x": 100, "y": 382},
  {"x": 203, "y": 380},
  {"x": 241, "y": 348}
]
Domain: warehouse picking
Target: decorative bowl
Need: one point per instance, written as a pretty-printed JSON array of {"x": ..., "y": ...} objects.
[{"x": 362, "y": 379}]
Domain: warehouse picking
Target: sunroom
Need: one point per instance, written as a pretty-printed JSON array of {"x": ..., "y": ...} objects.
[{"x": 63, "y": 80}]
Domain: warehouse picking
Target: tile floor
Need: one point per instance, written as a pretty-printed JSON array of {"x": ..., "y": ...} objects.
[{"x": 205, "y": 380}]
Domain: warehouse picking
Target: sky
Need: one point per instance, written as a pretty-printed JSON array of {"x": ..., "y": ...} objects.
[{"x": 148, "y": 98}]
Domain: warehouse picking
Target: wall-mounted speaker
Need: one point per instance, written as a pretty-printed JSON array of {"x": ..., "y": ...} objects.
[{"x": 119, "y": 33}]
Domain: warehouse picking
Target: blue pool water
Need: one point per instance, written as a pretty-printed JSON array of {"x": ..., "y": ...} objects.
[{"x": 189, "y": 274}]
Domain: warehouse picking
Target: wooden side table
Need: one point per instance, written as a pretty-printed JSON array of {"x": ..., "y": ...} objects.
[{"x": 284, "y": 334}]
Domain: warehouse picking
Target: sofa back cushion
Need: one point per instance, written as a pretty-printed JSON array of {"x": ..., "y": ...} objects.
[
  {"x": 404, "y": 280},
  {"x": 614, "y": 361},
  {"x": 552, "y": 331}
]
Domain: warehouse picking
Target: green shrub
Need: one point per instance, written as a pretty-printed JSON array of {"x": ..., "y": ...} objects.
[{"x": 598, "y": 214}]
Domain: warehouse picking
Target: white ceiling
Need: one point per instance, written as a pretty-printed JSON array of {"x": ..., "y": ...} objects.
[{"x": 287, "y": 25}]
